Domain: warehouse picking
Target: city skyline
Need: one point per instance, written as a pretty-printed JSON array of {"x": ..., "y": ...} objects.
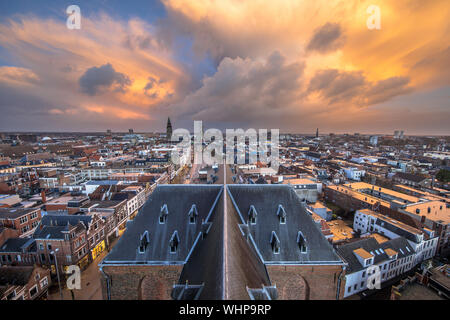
[{"x": 290, "y": 65}]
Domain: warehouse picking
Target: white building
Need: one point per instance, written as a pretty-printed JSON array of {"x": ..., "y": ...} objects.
[
  {"x": 354, "y": 173},
  {"x": 424, "y": 244},
  {"x": 136, "y": 199},
  {"x": 368, "y": 260}
]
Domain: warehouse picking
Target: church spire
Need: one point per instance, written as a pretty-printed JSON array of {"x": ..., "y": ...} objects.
[{"x": 169, "y": 129}]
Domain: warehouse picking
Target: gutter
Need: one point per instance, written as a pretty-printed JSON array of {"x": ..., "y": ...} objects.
[
  {"x": 339, "y": 281},
  {"x": 108, "y": 283}
]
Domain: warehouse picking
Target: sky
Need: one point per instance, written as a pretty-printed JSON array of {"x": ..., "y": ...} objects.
[{"x": 288, "y": 64}]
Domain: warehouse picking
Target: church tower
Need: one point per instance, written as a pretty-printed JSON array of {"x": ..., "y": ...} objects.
[{"x": 169, "y": 129}]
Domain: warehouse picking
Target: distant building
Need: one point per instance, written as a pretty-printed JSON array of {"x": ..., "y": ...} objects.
[
  {"x": 169, "y": 129},
  {"x": 412, "y": 180}
]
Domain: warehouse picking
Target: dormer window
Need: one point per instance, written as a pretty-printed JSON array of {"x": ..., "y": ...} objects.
[
  {"x": 143, "y": 242},
  {"x": 163, "y": 214},
  {"x": 252, "y": 215},
  {"x": 301, "y": 241},
  {"x": 275, "y": 243},
  {"x": 281, "y": 213},
  {"x": 193, "y": 213},
  {"x": 173, "y": 243}
]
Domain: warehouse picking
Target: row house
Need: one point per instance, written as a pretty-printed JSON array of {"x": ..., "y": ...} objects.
[
  {"x": 367, "y": 259},
  {"x": 18, "y": 252},
  {"x": 135, "y": 196},
  {"x": 424, "y": 243},
  {"x": 24, "y": 221},
  {"x": 113, "y": 212},
  {"x": 24, "y": 283},
  {"x": 68, "y": 245},
  {"x": 418, "y": 212},
  {"x": 63, "y": 239}
]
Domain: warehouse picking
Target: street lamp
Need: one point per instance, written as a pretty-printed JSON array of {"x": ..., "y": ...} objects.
[{"x": 57, "y": 272}]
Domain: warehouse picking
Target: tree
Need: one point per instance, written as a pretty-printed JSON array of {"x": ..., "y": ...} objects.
[{"x": 443, "y": 175}]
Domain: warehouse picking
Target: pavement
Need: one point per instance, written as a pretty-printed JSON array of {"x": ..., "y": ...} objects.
[{"x": 90, "y": 283}]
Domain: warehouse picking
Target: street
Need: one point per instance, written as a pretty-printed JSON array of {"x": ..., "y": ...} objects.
[{"x": 90, "y": 283}]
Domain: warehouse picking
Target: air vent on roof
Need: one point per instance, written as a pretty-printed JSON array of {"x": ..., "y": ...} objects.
[
  {"x": 174, "y": 241},
  {"x": 281, "y": 213},
  {"x": 252, "y": 215},
  {"x": 275, "y": 243}
]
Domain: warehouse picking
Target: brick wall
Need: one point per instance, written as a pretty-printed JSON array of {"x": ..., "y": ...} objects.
[
  {"x": 305, "y": 282},
  {"x": 141, "y": 282}
]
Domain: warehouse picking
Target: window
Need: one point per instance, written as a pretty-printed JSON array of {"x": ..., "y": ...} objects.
[
  {"x": 275, "y": 243},
  {"x": 174, "y": 241},
  {"x": 301, "y": 241},
  {"x": 144, "y": 241},
  {"x": 23, "y": 219},
  {"x": 49, "y": 246},
  {"x": 252, "y": 215},
  {"x": 363, "y": 274},
  {"x": 281, "y": 213},
  {"x": 11, "y": 295},
  {"x": 193, "y": 213},
  {"x": 163, "y": 214},
  {"x": 33, "y": 291}
]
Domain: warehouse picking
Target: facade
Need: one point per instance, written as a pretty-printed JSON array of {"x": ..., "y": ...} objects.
[
  {"x": 354, "y": 173},
  {"x": 69, "y": 239},
  {"x": 424, "y": 243},
  {"x": 414, "y": 211},
  {"x": 18, "y": 252},
  {"x": 24, "y": 283},
  {"x": 366, "y": 257},
  {"x": 24, "y": 221}
]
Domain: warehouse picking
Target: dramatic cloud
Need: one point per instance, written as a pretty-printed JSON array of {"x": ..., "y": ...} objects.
[
  {"x": 96, "y": 79},
  {"x": 326, "y": 38},
  {"x": 293, "y": 64},
  {"x": 71, "y": 75},
  {"x": 18, "y": 76},
  {"x": 245, "y": 89}
]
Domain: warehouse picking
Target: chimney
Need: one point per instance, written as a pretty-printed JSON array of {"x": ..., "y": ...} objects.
[{"x": 44, "y": 199}]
